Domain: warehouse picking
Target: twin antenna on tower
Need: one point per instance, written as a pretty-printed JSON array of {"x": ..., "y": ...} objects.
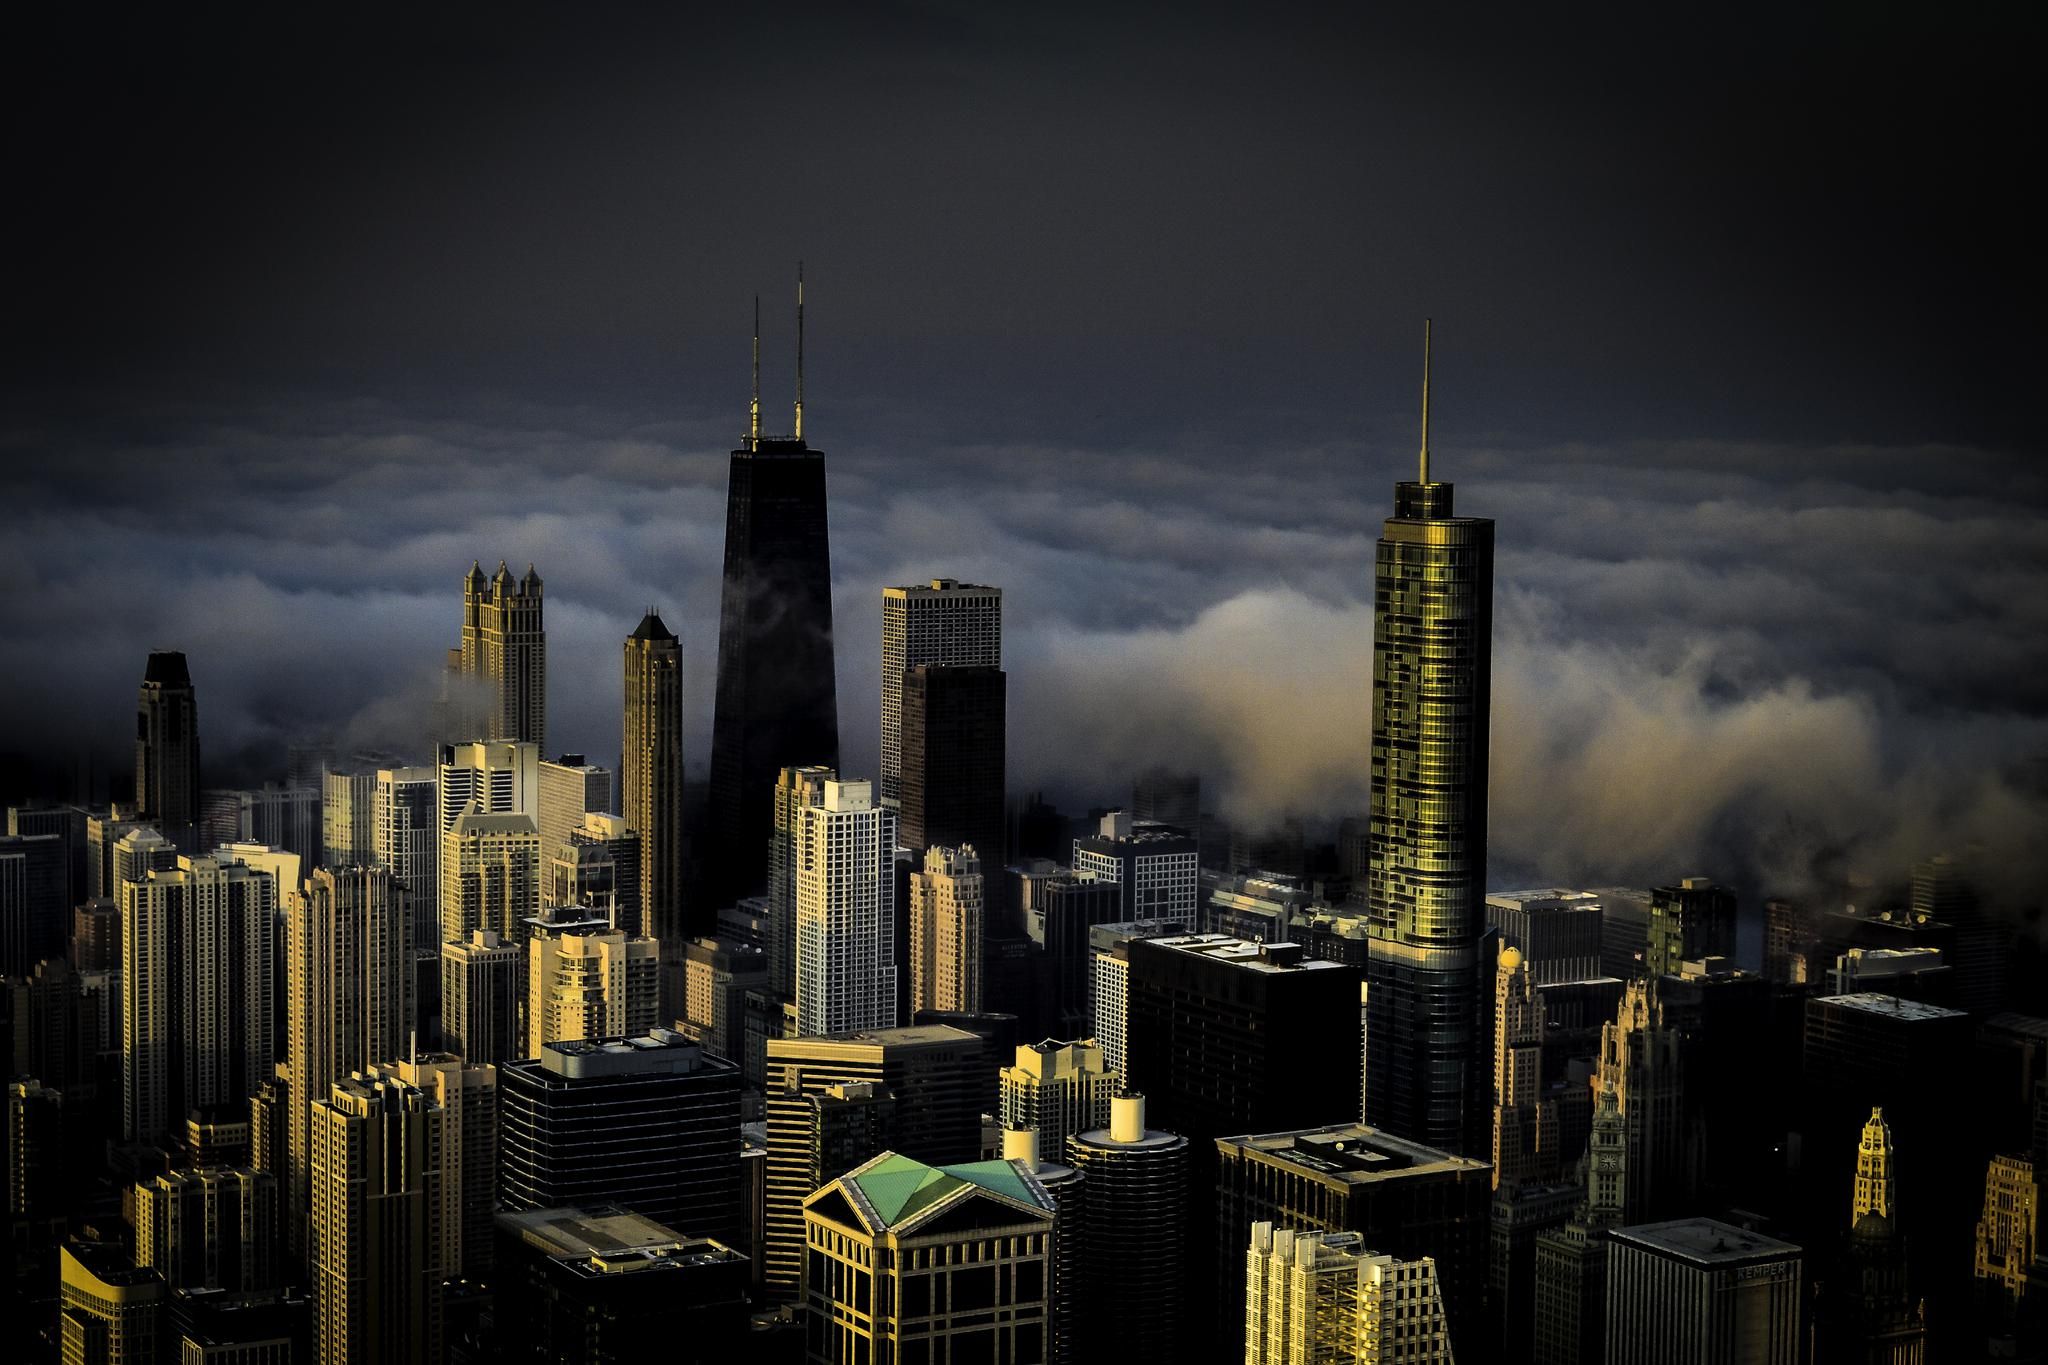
[{"x": 754, "y": 408}]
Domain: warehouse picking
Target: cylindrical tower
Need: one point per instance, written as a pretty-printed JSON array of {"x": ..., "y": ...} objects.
[{"x": 1129, "y": 1236}]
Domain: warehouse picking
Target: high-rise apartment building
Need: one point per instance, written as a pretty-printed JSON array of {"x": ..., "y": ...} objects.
[
  {"x": 947, "y": 915},
  {"x": 566, "y": 790},
  {"x": 346, "y": 979},
  {"x": 777, "y": 704},
  {"x": 843, "y": 846},
  {"x": 954, "y": 737},
  {"x": 946, "y": 624},
  {"x": 348, "y": 825},
  {"x": 1055, "y": 1089},
  {"x": 650, "y": 1123},
  {"x": 1426, "y": 840},
  {"x": 1406, "y": 1200},
  {"x": 211, "y": 1228},
  {"x": 1157, "y": 867},
  {"x": 290, "y": 818},
  {"x": 1063, "y": 914},
  {"x": 1313, "y": 1298},
  {"x": 108, "y": 1309},
  {"x": 503, "y": 658},
  {"x": 406, "y": 838},
  {"x": 901, "y": 1255},
  {"x": 651, "y": 773},
  {"x": 33, "y": 878},
  {"x": 490, "y": 876},
  {"x": 586, "y": 979},
  {"x": 796, "y": 789},
  {"x": 597, "y": 869},
  {"x": 500, "y": 778},
  {"x": 1700, "y": 1292},
  {"x": 103, "y": 834},
  {"x": 934, "y": 1074},
  {"x": 68, "y": 823},
  {"x": 1133, "y": 1266},
  {"x": 167, "y": 749},
  {"x": 481, "y": 986},
  {"x": 375, "y": 1249},
  {"x": 1109, "y": 978},
  {"x": 1166, "y": 796},
  {"x": 717, "y": 974},
  {"x": 1692, "y": 920},
  {"x": 198, "y": 976},
  {"x": 468, "y": 1096}
]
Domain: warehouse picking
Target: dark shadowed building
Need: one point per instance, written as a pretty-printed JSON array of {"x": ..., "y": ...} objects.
[{"x": 952, "y": 761}]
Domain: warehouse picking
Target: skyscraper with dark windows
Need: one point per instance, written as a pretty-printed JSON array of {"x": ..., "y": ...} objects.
[
  {"x": 167, "y": 749},
  {"x": 778, "y": 702},
  {"x": 951, "y": 783},
  {"x": 949, "y": 624},
  {"x": 651, "y": 772},
  {"x": 1426, "y": 873}
]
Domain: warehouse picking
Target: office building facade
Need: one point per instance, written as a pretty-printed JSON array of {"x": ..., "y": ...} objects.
[
  {"x": 651, "y": 774},
  {"x": 948, "y": 910},
  {"x": 945, "y": 623},
  {"x": 1700, "y": 1292},
  {"x": 954, "y": 734},
  {"x": 167, "y": 749},
  {"x": 503, "y": 658},
  {"x": 843, "y": 849}
]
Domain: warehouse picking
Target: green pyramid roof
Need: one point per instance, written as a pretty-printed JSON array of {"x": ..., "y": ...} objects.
[{"x": 899, "y": 1187}]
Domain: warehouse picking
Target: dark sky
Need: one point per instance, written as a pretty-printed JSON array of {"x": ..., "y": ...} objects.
[{"x": 1738, "y": 337}]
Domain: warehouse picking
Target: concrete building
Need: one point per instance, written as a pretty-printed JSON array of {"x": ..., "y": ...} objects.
[
  {"x": 2008, "y": 1234},
  {"x": 290, "y": 818},
  {"x": 468, "y": 1097},
  {"x": 407, "y": 839},
  {"x": 1405, "y": 1200},
  {"x": 589, "y": 1286},
  {"x": 566, "y": 789},
  {"x": 586, "y": 979},
  {"x": 490, "y": 876},
  {"x": 1432, "y": 688},
  {"x": 1157, "y": 867},
  {"x": 1642, "y": 1065},
  {"x": 1699, "y": 1292},
  {"x": 900, "y": 1254},
  {"x": 497, "y": 778},
  {"x": 375, "y": 1250},
  {"x": 1055, "y": 1089},
  {"x": 348, "y": 823},
  {"x": 717, "y": 974},
  {"x": 597, "y": 869},
  {"x": 108, "y": 1309},
  {"x": 651, "y": 775},
  {"x": 955, "y": 733},
  {"x": 796, "y": 790},
  {"x": 650, "y": 1123},
  {"x": 198, "y": 982},
  {"x": 946, "y": 623},
  {"x": 844, "y": 849},
  {"x": 1060, "y": 915},
  {"x": 1317, "y": 1297},
  {"x": 1906, "y": 973},
  {"x": 1557, "y": 930},
  {"x": 1571, "y": 1263},
  {"x": 167, "y": 749},
  {"x": 210, "y": 1228},
  {"x": 346, "y": 973},
  {"x": 503, "y": 656},
  {"x": 34, "y": 878},
  {"x": 1134, "y": 1270},
  {"x": 947, "y": 914},
  {"x": 934, "y": 1075},
  {"x": 480, "y": 992},
  {"x": 1689, "y": 921},
  {"x": 1109, "y": 974}
]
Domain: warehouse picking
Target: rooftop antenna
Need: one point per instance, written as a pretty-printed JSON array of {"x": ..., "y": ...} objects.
[
  {"x": 1425, "y": 400},
  {"x": 799, "y": 350},
  {"x": 754, "y": 408}
]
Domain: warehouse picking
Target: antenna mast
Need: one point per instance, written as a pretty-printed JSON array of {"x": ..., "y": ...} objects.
[
  {"x": 754, "y": 408},
  {"x": 799, "y": 350},
  {"x": 1425, "y": 400}
]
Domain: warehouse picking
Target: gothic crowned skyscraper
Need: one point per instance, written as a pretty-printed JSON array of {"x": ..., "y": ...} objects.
[
  {"x": 503, "y": 658},
  {"x": 778, "y": 701},
  {"x": 1426, "y": 878}
]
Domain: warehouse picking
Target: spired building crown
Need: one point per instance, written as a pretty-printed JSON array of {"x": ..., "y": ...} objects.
[
  {"x": 500, "y": 671},
  {"x": 1426, "y": 840}
]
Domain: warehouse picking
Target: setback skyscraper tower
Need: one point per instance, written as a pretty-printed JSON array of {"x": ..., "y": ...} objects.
[
  {"x": 504, "y": 657},
  {"x": 951, "y": 624},
  {"x": 778, "y": 703},
  {"x": 1426, "y": 875}
]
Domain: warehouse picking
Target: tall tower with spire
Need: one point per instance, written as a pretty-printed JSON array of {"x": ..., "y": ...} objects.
[
  {"x": 652, "y": 768},
  {"x": 167, "y": 748},
  {"x": 1427, "y": 1051},
  {"x": 777, "y": 704},
  {"x": 503, "y": 660},
  {"x": 1865, "y": 1312}
]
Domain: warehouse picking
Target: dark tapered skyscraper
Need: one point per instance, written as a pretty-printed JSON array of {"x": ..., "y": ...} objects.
[
  {"x": 778, "y": 703},
  {"x": 167, "y": 748},
  {"x": 1426, "y": 1074},
  {"x": 652, "y": 768}
]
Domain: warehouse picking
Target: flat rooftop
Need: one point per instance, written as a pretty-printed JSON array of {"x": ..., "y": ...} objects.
[
  {"x": 1887, "y": 1006},
  {"x": 1351, "y": 1152},
  {"x": 1706, "y": 1242},
  {"x": 1271, "y": 958}
]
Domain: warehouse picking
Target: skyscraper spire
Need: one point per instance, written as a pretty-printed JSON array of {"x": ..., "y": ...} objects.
[
  {"x": 1425, "y": 400},
  {"x": 799, "y": 350},
  {"x": 754, "y": 408}
]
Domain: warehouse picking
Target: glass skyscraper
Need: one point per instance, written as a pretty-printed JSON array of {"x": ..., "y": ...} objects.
[{"x": 1426, "y": 1074}]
